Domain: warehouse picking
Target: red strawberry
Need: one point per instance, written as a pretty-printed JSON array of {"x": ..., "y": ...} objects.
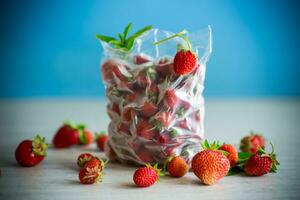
[
  {"x": 83, "y": 159},
  {"x": 145, "y": 155},
  {"x": 130, "y": 97},
  {"x": 232, "y": 153},
  {"x": 148, "y": 109},
  {"x": 92, "y": 172},
  {"x": 261, "y": 163},
  {"x": 112, "y": 110},
  {"x": 152, "y": 93},
  {"x": 210, "y": 165},
  {"x": 146, "y": 77},
  {"x": 145, "y": 130},
  {"x": 123, "y": 128},
  {"x": 66, "y": 136},
  {"x": 184, "y": 62},
  {"x": 109, "y": 152},
  {"x": 252, "y": 143},
  {"x": 146, "y": 176},
  {"x": 101, "y": 139},
  {"x": 85, "y": 135},
  {"x": 164, "y": 67},
  {"x": 111, "y": 69},
  {"x": 31, "y": 152},
  {"x": 176, "y": 166},
  {"x": 128, "y": 114},
  {"x": 141, "y": 59},
  {"x": 161, "y": 120},
  {"x": 170, "y": 99}
]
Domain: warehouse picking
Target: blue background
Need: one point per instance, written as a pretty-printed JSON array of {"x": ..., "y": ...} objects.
[{"x": 49, "y": 49}]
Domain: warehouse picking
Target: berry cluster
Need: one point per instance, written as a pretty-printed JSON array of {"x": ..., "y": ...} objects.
[{"x": 154, "y": 112}]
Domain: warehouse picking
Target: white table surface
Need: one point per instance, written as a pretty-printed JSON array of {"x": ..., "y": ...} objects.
[{"x": 226, "y": 120}]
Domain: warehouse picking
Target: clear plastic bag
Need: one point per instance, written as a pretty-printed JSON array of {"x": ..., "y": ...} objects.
[{"x": 153, "y": 112}]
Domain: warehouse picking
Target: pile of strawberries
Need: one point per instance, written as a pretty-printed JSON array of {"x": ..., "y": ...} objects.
[
  {"x": 154, "y": 111},
  {"x": 209, "y": 165},
  {"x": 215, "y": 161}
]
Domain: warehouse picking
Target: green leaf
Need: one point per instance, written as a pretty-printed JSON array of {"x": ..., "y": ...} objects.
[
  {"x": 234, "y": 170},
  {"x": 140, "y": 32},
  {"x": 126, "y": 30},
  {"x": 121, "y": 38},
  {"x": 105, "y": 38},
  {"x": 243, "y": 156}
]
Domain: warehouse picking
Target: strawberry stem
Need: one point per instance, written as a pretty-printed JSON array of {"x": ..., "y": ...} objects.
[{"x": 180, "y": 34}]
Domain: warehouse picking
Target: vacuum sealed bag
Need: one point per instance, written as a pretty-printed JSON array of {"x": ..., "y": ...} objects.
[{"x": 154, "y": 93}]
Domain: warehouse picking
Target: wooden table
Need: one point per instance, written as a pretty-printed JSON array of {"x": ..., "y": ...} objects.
[{"x": 226, "y": 120}]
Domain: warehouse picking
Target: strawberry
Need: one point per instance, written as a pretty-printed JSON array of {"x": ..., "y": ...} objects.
[
  {"x": 31, "y": 152},
  {"x": 146, "y": 176},
  {"x": 232, "y": 153},
  {"x": 252, "y": 143},
  {"x": 85, "y": 135},
  {"x": 161, "y": 120},
  {"x": 170, "y": 99},
  {"x": 92, "y": 172},
  {"x": 185, "y": 59},
  {"x": 148, "y": 109},
  {"x": 101, "y": 139},
  {"x": 184, "y": 62},
  {"x": 261, "y": 163},
  {"x": 176, "y": 166},
  {"x": 66, "y": 136},
  {"x": 210, "y": 165},
  {"x": 123, "y": 128},
  {"x": 141, "y": 59},
  {"x": 113, "y": 110},
  {"x": 112, "y": 70},
  {"x": 144, "y": 155},
  {"x": 83, "y": 159},
  {"x": 146, "y": 77},
  {"x": 145, "y": 130},
  {"x": 164, "y": 67},
  {"x": 128, "y": 114},
  {"x": 109, "y": 152},
  {"x": 152, "y": 93}
]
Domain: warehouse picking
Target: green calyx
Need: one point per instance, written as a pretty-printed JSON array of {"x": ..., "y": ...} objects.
[
  {"x": 155, "y": 167},
  {"x": 213, "y": 146},
  {"x": 124, "y": 42},
  {"x": 100, "y": 134},
  {"x": 272, "y": 155},
  {"x": 39, "y": 145},
  {"x": 180, "y": 35}
]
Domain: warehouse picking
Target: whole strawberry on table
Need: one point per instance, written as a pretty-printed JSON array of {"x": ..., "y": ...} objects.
[{"x": 31, "y": 152}]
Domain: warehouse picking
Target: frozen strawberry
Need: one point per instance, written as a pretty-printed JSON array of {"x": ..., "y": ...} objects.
[
  {"x": 128, "y": 114},
  {"x": 146, "y": 77},
  {"x": 101, "y": 139},
  {"x": 148, "y": 109},
  {"x": 145, "y": 156},
  {"x": 145, "y": 130},
  {"x": 31, "y": 152},
  {"x": 141, "y": 59},
  {"x": 66, "y": 136},
  {"x": 112, "y": 70},
  {"x": 123, "y": 128},
  {"x": 152, "y": 93},
  {"x": 164, "y": 66},
  {"x": 161, "y": 120},
  {"x": 113, "y": 110},
  {"x": 170, "y": 99}
]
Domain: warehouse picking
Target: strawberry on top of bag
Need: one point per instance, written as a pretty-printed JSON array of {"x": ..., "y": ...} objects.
[{"x": 185, "y": 59}]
